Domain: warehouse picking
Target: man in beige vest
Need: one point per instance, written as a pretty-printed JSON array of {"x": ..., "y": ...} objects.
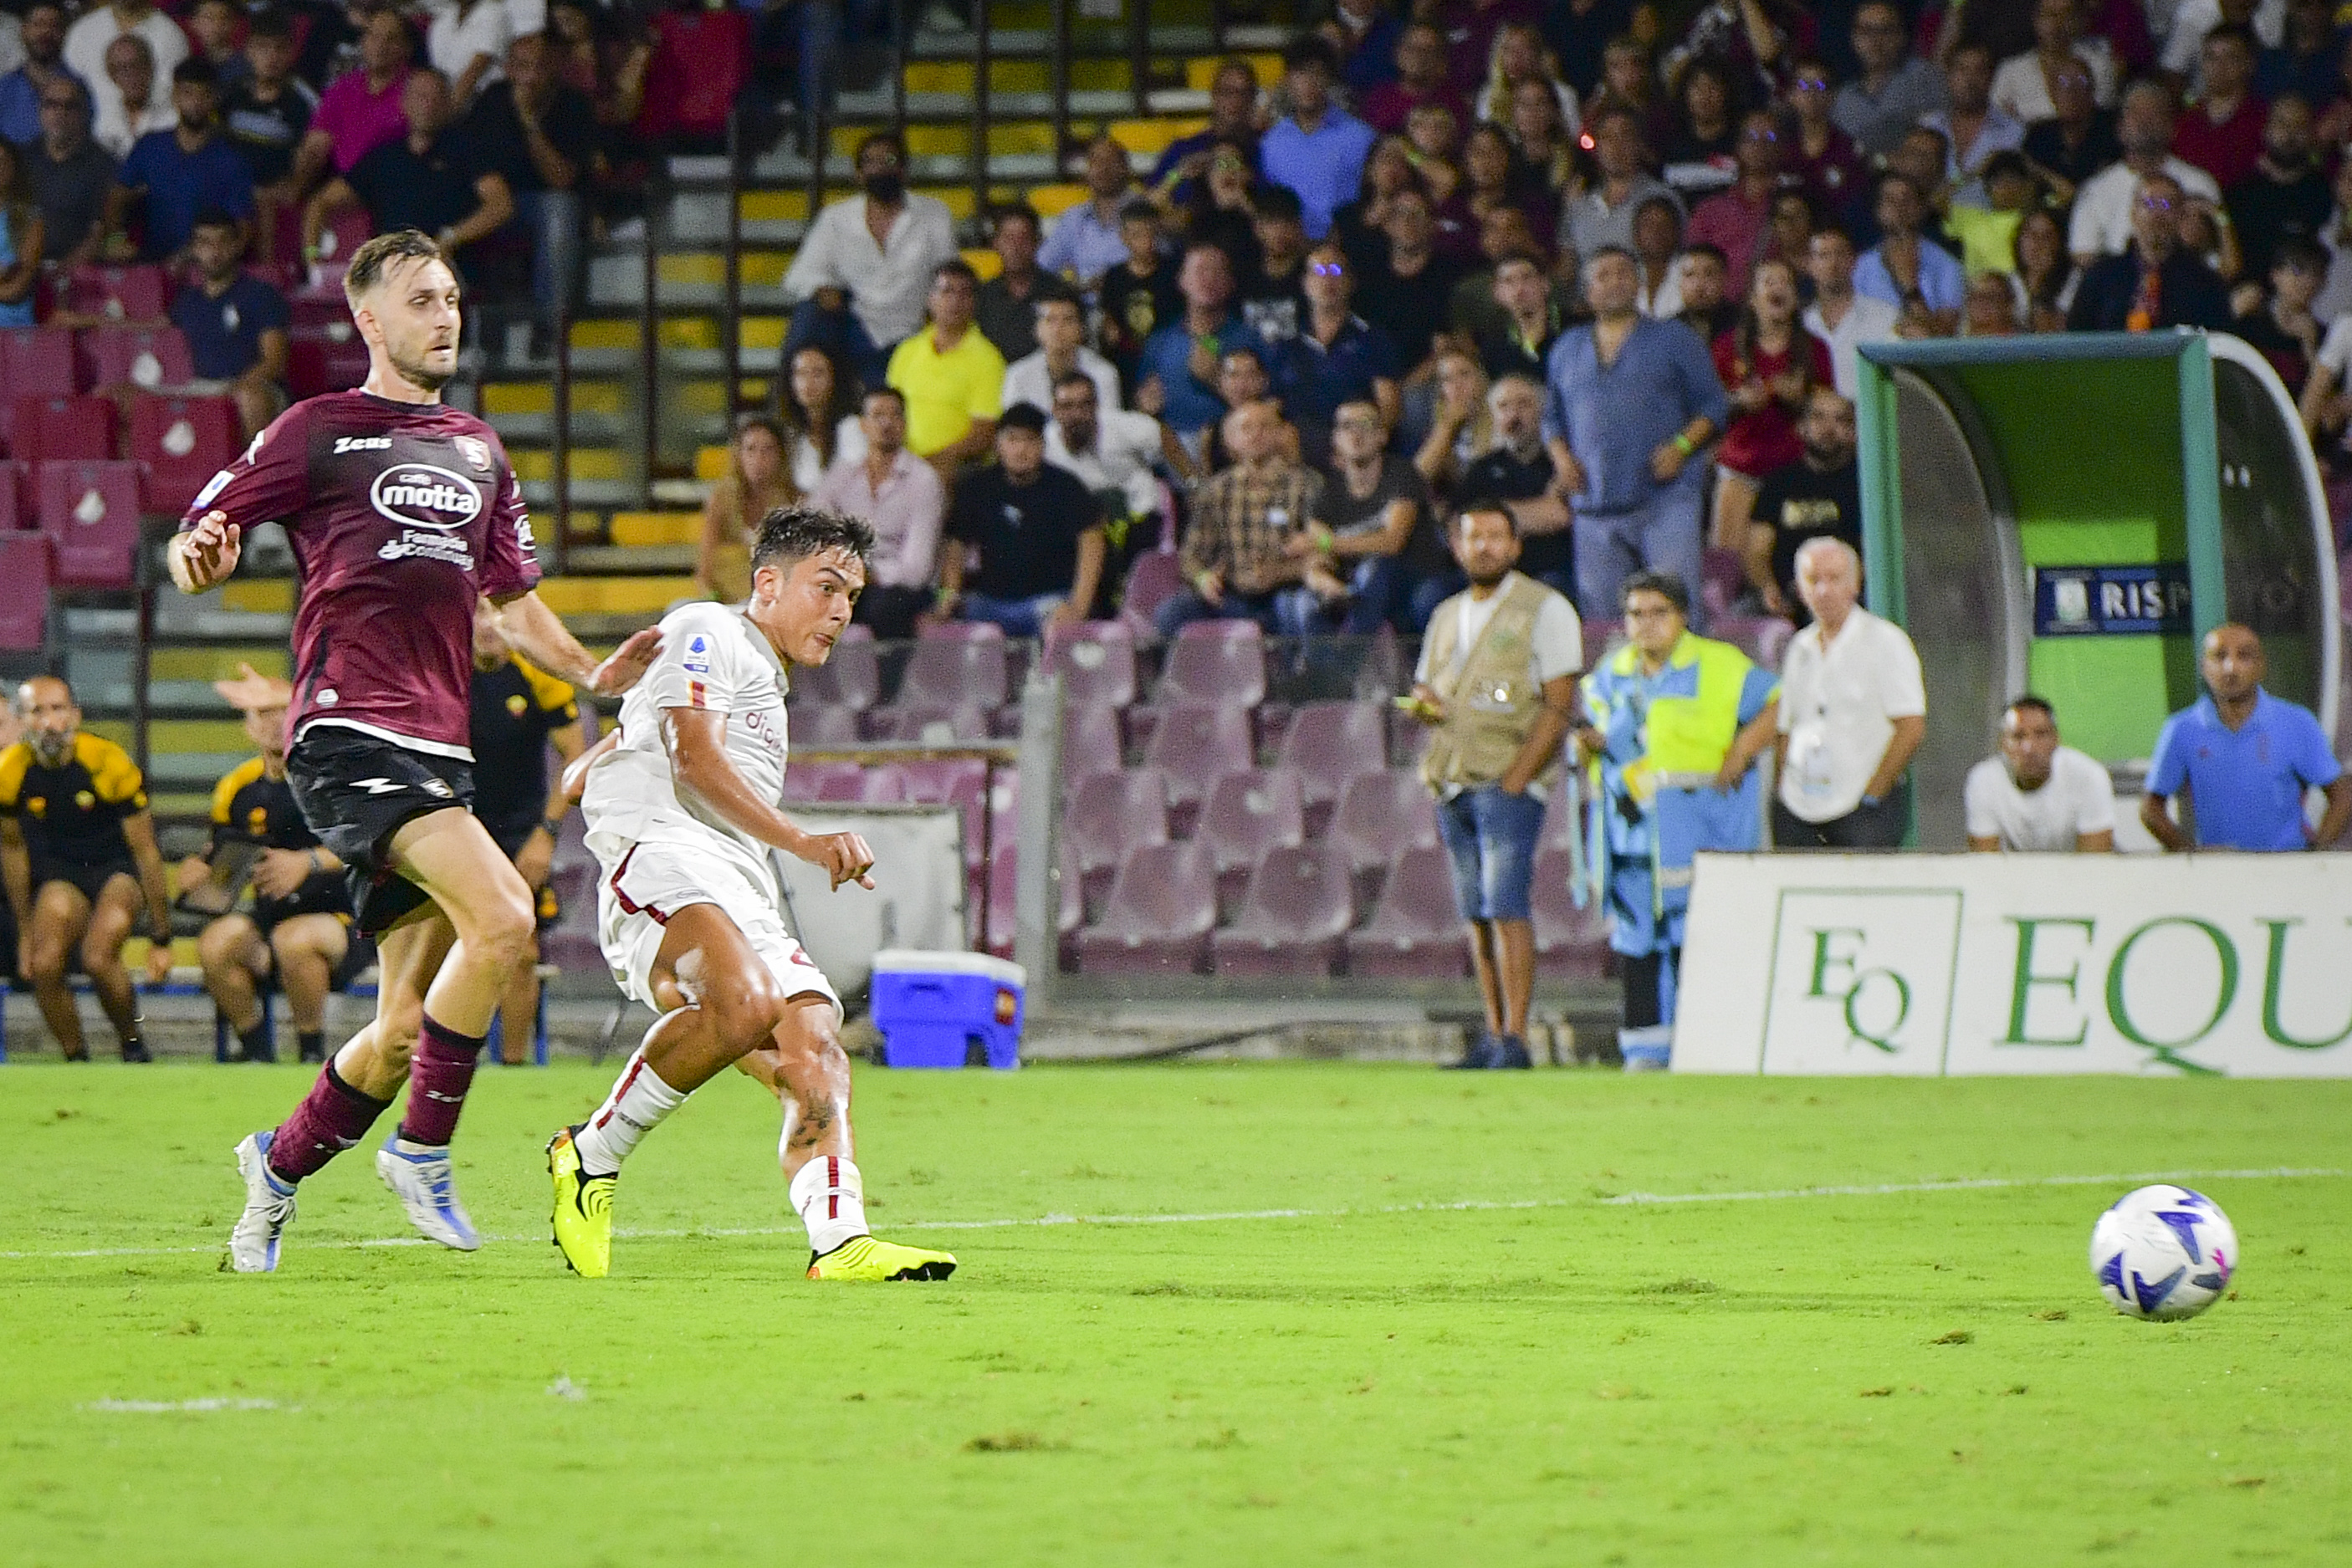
[{"x": 1497, "y": 685}]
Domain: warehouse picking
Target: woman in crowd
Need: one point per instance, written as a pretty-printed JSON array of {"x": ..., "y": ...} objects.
[
  {"x": 1461, "y": 429},
  {"x": 1546, "y": 145},
  {"x": 817, "y": 411},
  {"x": 1494, "y": 178},
  {"x": 1770, "y": 364},
  {"x": 756, "y": 482},
  {"x": 20, "y": 239},
  {"x": 1697, "y": 154},
  {"x": 597, "y": 62},
  {"x": 2046, "y": 274},
  {"x": 1520, "y": 59},
  {"x": 1219, "y": 212},
  {"x": 1989, "y": 307},
  {"x": 1361, "y": 225}
]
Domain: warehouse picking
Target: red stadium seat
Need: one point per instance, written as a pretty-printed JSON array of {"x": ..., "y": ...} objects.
[
  {"x": 823, "y": 781},
  {"x": 313, "y": 367},
  {"x": 1096, "y": 661},
  {"x": 1003, "y": 884},
  {"x": 962, "y": 662},
  {"x": 1294, "y": 919},
  {"x": 24, "y": 573},
  {"x": 1110, "y": 814},
  {"x": 1247, "y": 815},
  {"x": 38, "y": 362},
  {"x": 932, "y": 724},
  {"x": 1415, "y": 932},
  {"x": 883, "y": 786},
  {"x": 90, "y": 512},
  {"x": 960, "y": 782},
  {"x": 1154, "y": 579},
  {"x": 1599, "y": 637},
  {"x": 1090, "y": 745},
  {"x": 1723, "y": 578},
  {"x": 1330, "y": 745},
  {"x": 1161, "y": 908},
  {"x": 16, "y": 505},
  {"x": 700, "y": 60},
  {"x": 850, "y": 677},
  {"x": 1382, "y": 815},
  {"x": 1569, "y": 942},
  {"x": 145, "y": 357},
  {"x": 117, "y": 293},
  {"x": 816, "y": 723},
  {"x": 1221, "y": 661},
  {"x": 61, "y": 429},
  {"x": 344, "y": 233},
  {"x": 184, "y": 442},
  {"x": 1196, "y": 745}
]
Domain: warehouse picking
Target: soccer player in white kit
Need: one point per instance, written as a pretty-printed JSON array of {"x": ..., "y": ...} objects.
[{"x": 681, "y": 808}]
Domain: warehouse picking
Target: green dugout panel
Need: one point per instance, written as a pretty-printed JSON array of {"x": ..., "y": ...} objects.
[{"x": 2069, "y": 516}]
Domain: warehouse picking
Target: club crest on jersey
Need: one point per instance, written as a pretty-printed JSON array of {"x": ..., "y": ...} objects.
[{"x": 477, "y": 451}]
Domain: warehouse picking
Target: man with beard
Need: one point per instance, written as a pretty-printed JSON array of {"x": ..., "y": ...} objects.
[
  {"x": 2286, "y": 196},
  {"x": 78, "y": 851},
  {"x": 862, "y": 277},
  {"x": 1817, "y": 496}
]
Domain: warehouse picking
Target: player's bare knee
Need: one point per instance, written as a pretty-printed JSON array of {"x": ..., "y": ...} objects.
[
  {"x": 745, "y": 1014},
  {"x": 502, "y": 928}
]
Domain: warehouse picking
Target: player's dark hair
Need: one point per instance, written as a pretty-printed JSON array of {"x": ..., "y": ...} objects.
[
  {"x": 377, "y": 256},
  {"x": 2039, "y": 704},
  {"x": 796, "y": 532},
  {"x": 1665, "y": 585},
  {"x": 1483, "y": 505}
]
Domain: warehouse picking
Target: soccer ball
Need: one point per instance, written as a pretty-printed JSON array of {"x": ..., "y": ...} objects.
[{"x": 2163, "y": 1252}]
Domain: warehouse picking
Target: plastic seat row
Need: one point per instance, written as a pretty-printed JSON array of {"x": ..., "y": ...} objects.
[
  {"x": 85, "y": 516},
  {"x": 182, "y": 442}
]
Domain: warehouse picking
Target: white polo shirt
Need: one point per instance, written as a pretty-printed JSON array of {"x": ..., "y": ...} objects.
[
  {"x": 2103, "y": 207},
  {"x": 2077, "y": 798},
  {"x": 1866, "y": 320},
  {"x": 1838, "y": 708}
]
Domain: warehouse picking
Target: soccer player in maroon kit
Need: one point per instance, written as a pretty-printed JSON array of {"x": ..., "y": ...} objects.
[{"x": 402, "y": 513}]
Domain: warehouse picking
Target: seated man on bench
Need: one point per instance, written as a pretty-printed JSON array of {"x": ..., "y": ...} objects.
[{"x": 299, "y": 926}]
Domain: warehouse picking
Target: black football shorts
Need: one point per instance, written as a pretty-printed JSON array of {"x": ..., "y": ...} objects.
[{"x": 356, "y": 791}]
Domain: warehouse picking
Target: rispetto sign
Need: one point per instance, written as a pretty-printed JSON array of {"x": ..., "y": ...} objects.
[{"x": 1928, "y": 964}]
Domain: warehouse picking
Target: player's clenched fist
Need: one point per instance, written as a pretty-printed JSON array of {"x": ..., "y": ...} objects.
[
  {"x": 844, "y": 856},
  {"x": 207, "y": 553}
]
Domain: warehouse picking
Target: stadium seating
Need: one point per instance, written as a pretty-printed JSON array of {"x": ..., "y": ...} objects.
[
  {"x": 1096, "y": 661},
  {"x": 956, "y": 663},
  {"x": 1293, "y": 918},
  {"x": 60, "y": 429},
  {"x": 1570, "y": 943},
  {"x": 1246, "y": 816},
  {"x": 117, "y": 293},
  {"x": 36, "y": 361},
  {"x": 1154, "y": 579},
  {"x": 315, "y": 366},
  {"x": 814, "y": 724},
  {"x": 850, "y": 677},
  {"x": 1196, "y": 743},
  {"x": 931, "y": 723},
  {"x": 1090, "y": 745},
  {"x": 960, "y": 782},
  {"x": 823, "y": 780},
  {"x": 15, "y": 506},
  {"x": 144, "y": 357},
  {"x": 184, "y": 442},
  {"x": 25, "y": 575},
  {"x": 90, "y": 512},
  {"x": 1382, "y": 815},
  {"x": 1415, "y": 932},
  {"x": 1330, "y": 745},
  {"x": 1220, "y": 662},
  {"x": 1110, "y": 813},
  {"x": 1162, "y": 906}
]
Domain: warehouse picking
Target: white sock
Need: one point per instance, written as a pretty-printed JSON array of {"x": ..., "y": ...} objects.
[
  {"x": 636, "y": 1105},
  {"x": 830, "y": 1197}
]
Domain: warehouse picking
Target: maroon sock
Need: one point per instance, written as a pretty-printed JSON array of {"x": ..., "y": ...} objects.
[
  {"x": 437, "y": 1080},
  {"x": 331, "y": 1118}
]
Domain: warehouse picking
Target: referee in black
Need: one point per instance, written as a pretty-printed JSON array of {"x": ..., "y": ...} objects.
[{"x": 519, "y": 712}]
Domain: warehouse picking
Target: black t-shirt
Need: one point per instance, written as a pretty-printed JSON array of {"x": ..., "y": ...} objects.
[
  {"x": 497, "y": 144},
  {"x": 2288, "y": 354},
  {"x": 72, "y": 813},
  {"x": 1799, "y": 502},
  {"x": 249, "y": 807},
  {"x": 1276, "y": 308},
  {"x": 1411, "y": 310},
  {"x": 328, "y": 48},
  {"x": 70, "y": 194},
  {"x": 2266, "y": 212},
  {"x": 403, "y": 191},
  {"x": 2045, "y": 143},
  {"x": 1345, "y": 513},
  {"x": 515, "y": 708},
  {"x": 266, "y": 134},
  {"x": 1132, "y": 308},
  {"x": 1010, "y": 323},
  {"x": 1027, "y": 534},
  {"x": 1503, "y": 477}
]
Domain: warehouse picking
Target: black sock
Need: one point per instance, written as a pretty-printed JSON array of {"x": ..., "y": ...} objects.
[
  {"x": 313, "y": 1043},
  {"x": 256, "y": 1042}
]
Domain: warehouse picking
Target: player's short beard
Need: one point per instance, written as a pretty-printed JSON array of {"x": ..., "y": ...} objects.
[{"x": 417, "y": 373}]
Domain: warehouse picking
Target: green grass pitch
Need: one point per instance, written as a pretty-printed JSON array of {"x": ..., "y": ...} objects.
[{"x": 1451, "y": 1349}]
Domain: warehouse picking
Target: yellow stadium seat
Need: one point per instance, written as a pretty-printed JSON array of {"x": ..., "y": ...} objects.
[
  {"x": 1051, "y": 199},
  {"x": 711, "y": 463},
  {"x": 1200, "y": 72},
  {"x": 644, "y": 529},
  {"x": 1153, "y": 136},
  {"x": 986, "y": 263}
]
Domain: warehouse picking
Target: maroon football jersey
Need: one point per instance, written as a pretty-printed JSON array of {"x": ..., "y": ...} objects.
[{"x": 399, "y": 515}]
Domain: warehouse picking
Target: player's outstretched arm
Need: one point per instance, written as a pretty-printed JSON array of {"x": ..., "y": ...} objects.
[
  {"x": 540, "y": 636},
  {"x": 697, "y": 740},
  {"x": 203, "y": 558}
]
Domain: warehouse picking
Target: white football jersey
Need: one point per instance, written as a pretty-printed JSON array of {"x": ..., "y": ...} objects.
[{"x": 712, "y": 658}]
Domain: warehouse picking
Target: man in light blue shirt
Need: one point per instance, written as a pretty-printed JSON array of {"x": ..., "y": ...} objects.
[
  {"x": 1628, "y": 402},
  {"x": 2246, "y": 758},
  {"x": 1084, "y": 241},
  {"x": 1935, "y": 273},
  {"x": 1177, "y": 375},
  {"x": 43, "y": 42},
  {"x": 1318, "y": 150}
]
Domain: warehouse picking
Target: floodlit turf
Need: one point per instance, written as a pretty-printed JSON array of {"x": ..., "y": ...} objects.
[{"x": 1452, "y": 1351}]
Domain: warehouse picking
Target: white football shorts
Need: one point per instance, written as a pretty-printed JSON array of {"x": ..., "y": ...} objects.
[{"x": 652, "y": 879}]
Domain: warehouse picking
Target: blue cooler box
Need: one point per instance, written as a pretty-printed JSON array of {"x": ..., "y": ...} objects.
[{"x": 948, "y": 1010}]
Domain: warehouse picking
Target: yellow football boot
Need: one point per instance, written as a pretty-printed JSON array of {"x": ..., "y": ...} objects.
[
  {"x": 583, "y": 1209},
  {"x": 869, "y": 1258}
]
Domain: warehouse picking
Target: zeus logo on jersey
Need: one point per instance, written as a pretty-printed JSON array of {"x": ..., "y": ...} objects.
[{"x": 361, "y": 444}]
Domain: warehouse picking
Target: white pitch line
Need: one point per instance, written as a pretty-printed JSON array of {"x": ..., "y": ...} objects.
[{"x": 1466, "y": 1206}]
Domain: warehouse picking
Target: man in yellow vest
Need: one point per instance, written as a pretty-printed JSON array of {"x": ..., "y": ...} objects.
[
  {"x": 1674, "y": 724},
  {"x": 1497, "y": 685}
]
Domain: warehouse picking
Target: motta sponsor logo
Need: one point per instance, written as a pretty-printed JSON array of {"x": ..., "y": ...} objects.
[{"x": 424, "y": 496}]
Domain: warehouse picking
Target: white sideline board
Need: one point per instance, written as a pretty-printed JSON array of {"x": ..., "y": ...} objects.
[
  {"x": 917, "y": 899},
  {"x": 1952, "y": 963}
]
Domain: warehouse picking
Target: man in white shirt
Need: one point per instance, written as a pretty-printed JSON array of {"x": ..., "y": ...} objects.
[
  {"x": 864, "y": 273},
  {"x": 85, "y": 52},
  {"x": 2021, "y": 84},
  {"x": 2039, "y": 797},
  {"x": 2102, "y": 208},
  {"x": 681, "y": 807},
  {"x": 1061, "y": 349},
  {"x": 902, "y": 498},
  {"x": 127, "y": 101},
  {"x": 1111, "y": 450},
  {"x": 1854, "y": 710},
  {"x": 1837, "y": 316}
]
